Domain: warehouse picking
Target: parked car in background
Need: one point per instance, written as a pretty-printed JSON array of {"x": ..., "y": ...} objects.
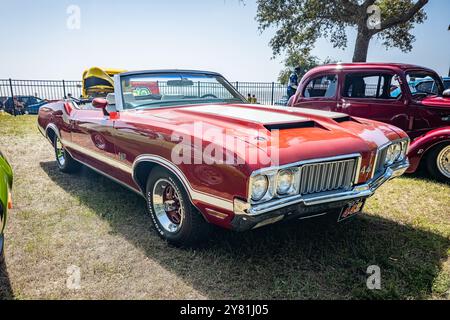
[
  {"x": 2, "y": 102},
  {"x": 446, "y": 81},
  {"x": 426, "y": 85},
  {"x": 6, "y": 181},
  {"x": 200, "y": 154},
  {"x": 31, "y": 104},
  {"x": 34, "y": 105},
  {"x": 383, "y": 92},
  {"x": 282, "y": 102}
]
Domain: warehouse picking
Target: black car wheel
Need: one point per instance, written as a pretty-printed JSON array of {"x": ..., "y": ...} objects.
[
  {"x": 174, "y": 217},
  {"x": 63, "y": 159},
  {"x": 438, "y": 162}
]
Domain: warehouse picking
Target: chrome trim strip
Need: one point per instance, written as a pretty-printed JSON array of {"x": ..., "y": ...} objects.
[
  {"x": 98, "y": 156},
  {"x": 310, "y": 161},
  {"x": 361, "y": 191},
  {"x": 194, "y": 194},
  {"x": 118, "y": 92},
  {"x": 313, "y": 216},
  {"x": 375, "y": 162},
  {"x": 112, "y": 178}
]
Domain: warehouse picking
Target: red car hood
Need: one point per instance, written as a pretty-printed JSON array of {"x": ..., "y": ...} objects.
[
  {"x": 436, "y": 101},
  {"x": 303, "y": 133}
]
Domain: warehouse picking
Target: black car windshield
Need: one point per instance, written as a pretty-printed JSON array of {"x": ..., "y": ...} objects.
[
  {"x": 424, "y": 83},
  {"x": 155, "y": 90}
]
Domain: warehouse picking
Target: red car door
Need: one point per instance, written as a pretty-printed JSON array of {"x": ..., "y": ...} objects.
[
  {"x": 375, "y": 95},
  {"x": 319, "y": 92},
  {"x": 92, "y": 140}
]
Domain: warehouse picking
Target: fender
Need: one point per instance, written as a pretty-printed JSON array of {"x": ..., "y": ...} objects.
[
  {"x": 424, "y": 143},
  {"x": 52, "y": 126},
  {"x": 204, "y": 202}
]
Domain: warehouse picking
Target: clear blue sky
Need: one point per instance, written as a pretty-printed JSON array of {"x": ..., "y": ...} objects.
[{"x": 219, "y": 35}]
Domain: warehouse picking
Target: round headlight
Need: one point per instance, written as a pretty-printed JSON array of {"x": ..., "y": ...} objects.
[
  {"x": 259, "y": 187},
  {"x": 284, "y": 181},
  {"x": 397, "y": 151},
  {"x": 390, "y": 157},
  {"x": 393, "y": 154}
]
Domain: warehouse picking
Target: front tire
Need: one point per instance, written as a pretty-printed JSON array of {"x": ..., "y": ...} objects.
[
  {"x": 174, "y": 218},
  {"x": 438, "y": 162},
  {"x": 64, "y": 160}
]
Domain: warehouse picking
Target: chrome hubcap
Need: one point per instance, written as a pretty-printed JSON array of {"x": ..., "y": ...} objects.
[
  {"x": 443, "y": 161},
  {"x": 60, "y": 153},
  {"x": 169, "y": 210}
]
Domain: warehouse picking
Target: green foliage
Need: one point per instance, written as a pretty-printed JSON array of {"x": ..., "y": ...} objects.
[
  {"x": 301, "y": 59},
  {"x": 299, "y": 23},
  {"x": 399, "y": 35}
]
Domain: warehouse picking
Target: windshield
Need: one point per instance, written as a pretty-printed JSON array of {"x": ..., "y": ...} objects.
[
  {"x": 424, "y": 83},
  {"x": 155, "y": 90},
  {"x": 446, "y": 84}
]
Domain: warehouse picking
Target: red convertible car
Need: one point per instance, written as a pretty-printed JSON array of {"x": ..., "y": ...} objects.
[
  {"x": 388, "y": 92},
  {"x": 200, "y": 154}
]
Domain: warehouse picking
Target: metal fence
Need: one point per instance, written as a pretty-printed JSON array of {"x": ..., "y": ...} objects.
[
  {"x": 265, "y": 92},
  {"x": 44, "y": 89}
]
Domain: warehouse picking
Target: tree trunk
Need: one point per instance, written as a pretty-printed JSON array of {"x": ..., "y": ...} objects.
[{"x": 362, "y": 45}]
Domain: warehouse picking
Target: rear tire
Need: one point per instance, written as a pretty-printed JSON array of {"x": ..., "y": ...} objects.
[
  {"x": 64, "y": 160},
  {"x": 174, "y": 217},
  {"x": 438, "y": 162}
]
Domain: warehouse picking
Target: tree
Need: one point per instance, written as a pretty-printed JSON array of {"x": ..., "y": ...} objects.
[
  {"x": 300, "y": 23},
  {"x": 302, "y": 59}
]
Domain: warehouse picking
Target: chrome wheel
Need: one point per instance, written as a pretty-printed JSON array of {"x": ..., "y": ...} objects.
[
  {"x": 168, "y": 207},
  {"x": 60, "y": 153},
  {"x": 443, "y": 161}
]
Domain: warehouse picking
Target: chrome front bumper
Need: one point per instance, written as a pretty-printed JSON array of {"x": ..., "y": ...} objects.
[{"x": 359, "y": 191}]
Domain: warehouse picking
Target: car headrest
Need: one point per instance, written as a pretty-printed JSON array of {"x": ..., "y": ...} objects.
[
  {"x": 358, "y": 88},
  {"x": 111, "y": 98},
  {"x": 128, "y": 96}
]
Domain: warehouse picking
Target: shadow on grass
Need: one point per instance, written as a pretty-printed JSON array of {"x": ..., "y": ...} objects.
[
  {"x": 5, "y": 286},
  {"x": 422, "y": 174},
  {"x": 305, "y": 260}
]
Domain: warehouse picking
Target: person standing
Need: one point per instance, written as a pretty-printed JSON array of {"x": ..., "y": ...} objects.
[{"x": 293, "y": 82}]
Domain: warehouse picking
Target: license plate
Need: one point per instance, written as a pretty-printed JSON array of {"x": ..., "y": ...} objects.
[{"x": 351, "y": 210}]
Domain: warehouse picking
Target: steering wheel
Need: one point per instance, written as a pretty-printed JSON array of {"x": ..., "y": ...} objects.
[{"x": 209, "y": 95}]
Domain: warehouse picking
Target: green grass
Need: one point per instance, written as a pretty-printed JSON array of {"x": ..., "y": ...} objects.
[{"x": 86, "y": 220}]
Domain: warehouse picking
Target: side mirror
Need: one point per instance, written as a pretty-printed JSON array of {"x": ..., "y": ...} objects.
[
  {"x": 446, "y": 93},
  {"x": 101, "y": 103}
]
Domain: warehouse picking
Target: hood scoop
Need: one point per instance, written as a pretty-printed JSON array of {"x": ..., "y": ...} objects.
[
  {"x": 291, "y": 125},
  {"x": 344, "y": 119}
]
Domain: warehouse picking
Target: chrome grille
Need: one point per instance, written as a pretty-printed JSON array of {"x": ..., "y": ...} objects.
[{"x": 327, "y": 176}]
